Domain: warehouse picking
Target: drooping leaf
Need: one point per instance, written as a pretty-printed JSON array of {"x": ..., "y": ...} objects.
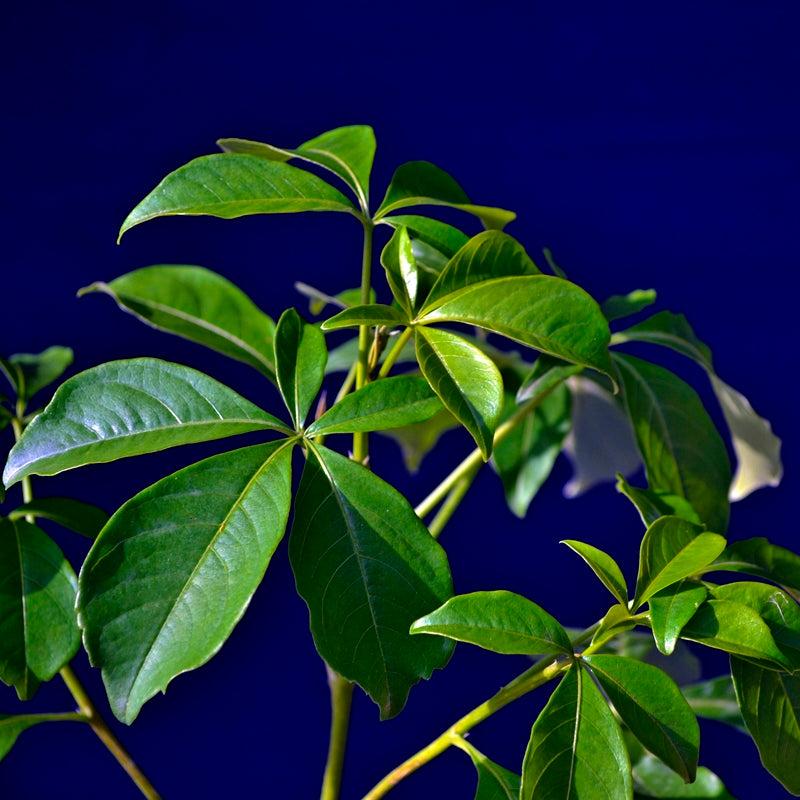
[
  {"x": 606, "y": 569},
  {"x": 29, "y": 373},
  {"x": 126, "y": 408},
  {"x": 624, "y": 305},
  {"x": 466, "y": 380},
  {"x": 402, "y": 274},
  {"x": 83, "y": 518},
  {"x": 300, "y": 358},
  {"x": 770, "y": 704},
  {"x": 192, "y": 547},
  {"x": 576, "y": 750},
  {"x": 652, "y": 778},
  {"x": 500, "y": 621},
  {"x": 381, "y": 405},
  {"x": 420, "y": 183},
  {"x": 367, "y": 568},
  {"x": 715, "y": 699},
  {"x": 230, "y": 185},
  {"x": 372, "y": 314},
  {"x": 671, "y": 550},
  {"x": 416, "y": 441},
  {"x": 348, "y": 152},
  {"x": 197, "y": 304},
  {"x": 651, "y": 504},
  {"x": 682, "y": 450},
  {"x": 652, "y": 706},
  {"x": 758, "y": 556},
  {"x": 671, "y": 609},
  {"x": 494, "y": 782},
  {"x": 12, "y": 726},
  {"x": 38, "y": 628},
  {"x": 444, "y": 238}
]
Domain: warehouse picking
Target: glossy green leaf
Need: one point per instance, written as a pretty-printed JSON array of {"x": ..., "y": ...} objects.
[
  {"x": 402, "y": 274},
  {"x": 420, "y": 183},
  {"x": 11, "y": 727},
  {"x": 83, "y": 518},
  {"x": 606, "y": 569},
  {"x": 416, "y": 441},
  {"x": 348, "y": 152},
  {"x": 682, "y": 450},
  {"x": 624, "y": 305},
  {"x": 126, "y": 408},
  {"x": 367, "y": 568},
  {"x": 300, "y": 358},
  {"x": 758, "y": 556},
  {"x": 29, "y": 373},
  {"x": 652, "y": 706},
  {"x": 372, "y": 314},
  {"x": 444, "y": 238},
  {"x": 770, "y": 704},
  {"x": 576, "y": 750},
  {"x": 193, "y": 546},
  {"x": 38, "y": 628},
  {"x": 381, "y": 405},
  {"x": 494, "y": 782},
  {"x": 197, "y": 304},
  {"x": 671, "y": 609},
  {"x": 549, "y": 314},
  {"x": 545, "y": 373},
  {"x": 673, "y": 549},
  {"x": 230, "y": 185},
  {"x": 652, "y": 778},
  {"x": 466, "y": 380},
  {"x": 651, "y": 504},
  {"x": 617, "y": 620},
  {"x": 500, "y": 621},
  {"x": 715, "y": 699}
]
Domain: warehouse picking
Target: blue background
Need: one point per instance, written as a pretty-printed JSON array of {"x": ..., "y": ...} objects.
[{"x": 646, "y": 144}]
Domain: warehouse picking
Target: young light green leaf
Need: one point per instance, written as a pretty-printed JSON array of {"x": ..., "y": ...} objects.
[
  {"x": 494, "y": 782},
  {"x": 671, "y": 609},
  {"x": 624, "y": 305},
  {"x": 651, "y": 504},
  {"x": 300, "y": 358},
  {"x": 38, "y": 629},
  {"x": 380, "y": 405},
  {"x": 770, "y": 704},
  {"x": 652, "y": 778},
  {"x": 126, "y": 408},
  {"x": 80, "y": 517},
  {"x": 652, "y": 706},
  {"x": 29, "y": 373},
  {"x": 402, "y": 275},
  {"x": 715, "y": 699},
  {"x": 673, "y": 549},
  {"x": 500, "y": 621},
  {"x": 193, "y": 546},
  {"x": 196, "y": 304},
  {"x": 576, "y": 749},
  {"x": 229, "y": 185},
  {"x": 682, "y": 450},
  {"x": 466, "y": 380},
  {"x": 12, "y": 726},
  {"x": 348, "y": 152},
  {"x": 606, "y": 569},
  {"x": 420, "y": 183},
  {"x": 444, "y": 238},
  {"x": 367, "y": 567},
  {"x": 760, "y": 557},
  {"x": 372, "y": 314},
  {"x": 549, "y": 314}
]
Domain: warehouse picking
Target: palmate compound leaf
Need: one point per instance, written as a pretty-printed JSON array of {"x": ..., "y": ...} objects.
[
  {"x": 82, "y": 518},
  {"x": 230, "y": 185},
  {"x": 196, "y": 304},
  {"x": 576, "y": 750},
  {"x": 174, "y": 570},
  {"x": 29, "y": 373},
  {"x": 367, "y": 567},
  {"x": 494, "y": 782},
  {"x": 126, "y": 408},
  {"x": 38, "y": 627},
  {"x": 652, "y": 706}
]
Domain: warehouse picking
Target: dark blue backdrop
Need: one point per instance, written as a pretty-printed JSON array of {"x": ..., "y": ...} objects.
[{"x": 646, "y": 144}]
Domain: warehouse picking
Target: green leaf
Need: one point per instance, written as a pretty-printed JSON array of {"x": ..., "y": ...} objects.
[
  {"x": 126, "y": 408},
  {"x": 545, "y": 373},
  {"x": 624, "y": 305},
  {"x": 80, "y": 517},
  {"x": 398, "y": 261},
  {"x": 381, "y": 405},
  {"x": 367, "y": 568},
  {"x": 192, "y": 547},
  {"x": 651, "y": 505},
  {"x": 416, "y": 441},
  {"x": 196, "y": 304},
  {"x": 348, "y": 152},
  {"x": 466, "y": 380},
  {"x": 673, "y": 549},
  {"x": 494, "y": 782},
  {"x": 491, "y": 254},
  {"x": 617, "y": 620},
  {"x": 606, "y": 569},
  {"x": 230, "y": 185},
  {"x": 444, "y": 238},
  {"x": 300, "y": 358},
  {"x": 652, "y": 778},
  {"x": 38, "y": 628},
  {"x": 576, "y": 750},
  {"x": 682, "y": 450},
  {"x": 770, "y": 704},
  {"x": 671, "y": 609},
  {"x": 652, "y": 706},
  {"x": 500, "y": 621},
  {"x": 12, "y": 726},
  {"x": 29, "y": 373},
  {"x": 420, "y": 183},
  {"x": 549, "y": 314},
  {"x": 715, "y": 699},
  {"x": 760, "y": 557},
  {"x": 372, "y": 314}
]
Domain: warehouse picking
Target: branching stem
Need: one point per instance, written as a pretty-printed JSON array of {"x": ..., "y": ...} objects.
[{"x": 395, "y": 353}]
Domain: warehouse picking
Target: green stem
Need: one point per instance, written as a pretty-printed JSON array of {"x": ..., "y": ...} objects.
[
  {"x": 452, "y": 502},
  {"x": 360, "y": 440},
  {"x": 341, "y": 699},
  {"x": 394, "y": 353}
]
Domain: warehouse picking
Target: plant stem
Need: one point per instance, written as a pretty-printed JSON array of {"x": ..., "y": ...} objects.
[
  {"x": 360, "y": 440},
  {"x": 395, "y": 352},
  {"x": 341, "y": 699},
  {"x": 452, "y": 502}
]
